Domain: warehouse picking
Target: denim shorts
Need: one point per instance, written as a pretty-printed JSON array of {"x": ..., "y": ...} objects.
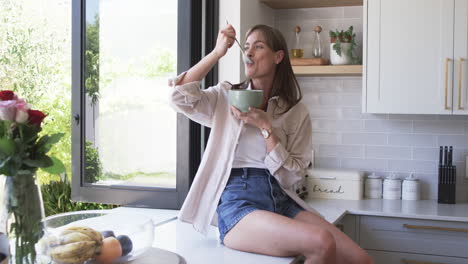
[{"x": 250, "y": 189}]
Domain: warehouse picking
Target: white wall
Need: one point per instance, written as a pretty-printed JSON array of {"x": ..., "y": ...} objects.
[
  {"x": 242, "y": 14},
  {"x": 229, "y": 66}
]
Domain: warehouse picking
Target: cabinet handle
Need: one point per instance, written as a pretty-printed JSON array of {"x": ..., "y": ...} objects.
[
  {"x": 460, "y": 83},
  {"x": 447, "y": 60},
  {"x": 436, "y": 228},
  {"x": 408, "y": 261}
]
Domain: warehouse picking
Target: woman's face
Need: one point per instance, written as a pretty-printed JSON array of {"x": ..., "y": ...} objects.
[{"x": 263, "y": 57}]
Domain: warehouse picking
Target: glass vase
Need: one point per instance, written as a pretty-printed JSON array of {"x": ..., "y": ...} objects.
[{"x": 21, "y": 213}]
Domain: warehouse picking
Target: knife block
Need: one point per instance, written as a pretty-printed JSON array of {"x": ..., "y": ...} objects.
[{"x": 446, "y": 193}]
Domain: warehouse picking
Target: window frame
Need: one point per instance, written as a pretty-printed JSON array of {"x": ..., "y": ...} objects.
[{"x": 191, "y": 25}]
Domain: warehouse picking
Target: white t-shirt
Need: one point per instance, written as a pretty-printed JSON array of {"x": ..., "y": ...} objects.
[{"x": 251, "y": 149}]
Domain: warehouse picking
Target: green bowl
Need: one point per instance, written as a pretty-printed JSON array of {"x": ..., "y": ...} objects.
[{"x": 242, "y": 99}]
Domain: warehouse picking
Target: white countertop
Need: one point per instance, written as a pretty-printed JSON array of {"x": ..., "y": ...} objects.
[
  {"x": 181, "y": 238},
  {"x": 334, "y": 210}
]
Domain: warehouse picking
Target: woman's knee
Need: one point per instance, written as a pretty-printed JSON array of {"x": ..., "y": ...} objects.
[{"x": 321, "y": 243}]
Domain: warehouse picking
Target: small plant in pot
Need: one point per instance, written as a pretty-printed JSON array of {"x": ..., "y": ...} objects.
[{"x": 342, "y": 45}]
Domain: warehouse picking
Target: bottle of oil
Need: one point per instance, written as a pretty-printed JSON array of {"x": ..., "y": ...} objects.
[
  {"x": 297, "y": 51},
  {"x": 317, "y": 44}
]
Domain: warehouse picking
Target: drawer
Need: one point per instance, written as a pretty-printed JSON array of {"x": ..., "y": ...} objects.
[
  {"x": 384, "y": 257},
  {"x": 442, "y": 238}
]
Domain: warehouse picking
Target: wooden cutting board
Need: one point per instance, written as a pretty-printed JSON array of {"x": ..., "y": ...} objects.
[{"x": 309, "y": 61}]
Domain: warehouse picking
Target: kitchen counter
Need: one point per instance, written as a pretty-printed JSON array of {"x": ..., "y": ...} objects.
[
  {"x": 181, "y": 238},
  {"x": 334, "y": 210}
]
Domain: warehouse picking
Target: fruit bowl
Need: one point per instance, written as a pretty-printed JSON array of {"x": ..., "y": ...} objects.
[{"x": 106, "y": 236}]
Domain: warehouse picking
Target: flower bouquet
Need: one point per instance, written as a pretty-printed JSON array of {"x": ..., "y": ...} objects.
[{"x": 22, "y": 152}]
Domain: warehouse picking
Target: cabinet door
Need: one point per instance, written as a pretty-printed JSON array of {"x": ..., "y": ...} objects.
[
  {"x": 348, "y": 225},
  {"x": 386, "y": 257},
  {"x": 409, "y": 66},
  {"x": 460, "y": 89}
]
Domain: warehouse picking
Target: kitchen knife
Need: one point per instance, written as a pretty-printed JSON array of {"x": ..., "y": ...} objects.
[{"x": 440, "y": 163}]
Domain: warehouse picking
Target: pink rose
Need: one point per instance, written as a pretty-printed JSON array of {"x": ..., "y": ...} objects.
[
  {"x": 8, "y": 110},
  {"x": 22, "y": 111}
]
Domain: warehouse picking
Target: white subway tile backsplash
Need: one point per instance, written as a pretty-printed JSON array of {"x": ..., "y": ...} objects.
[
  {"x": 428, "y": 154},
  {"x": 353, "y": 12},
  {"x": 309, "y": 85},
  {"x": 455, "y": 140},
  {"x": 364, "y": 164},
  {"x": 329, "y": 163},
  {"x": 323, "y": 13},
  {"x": 438, "y": 127},
  {"x": 412, "y": 140},
  {"x": 395, "y": 126},
  {"x": 459, "y": 154},
  {"x": 412, "y": 166},
  {"x": 326, "y": 138},
  {"x": 383, "y": 152},
  {"x": 323, "y": 112},
  {"x": 348, "y": 151},
  {"x": 364, "y": 138},
  {"x": 328, "y": 99},
  {"x": 460, "y": 171},
  {"x": 337, "y": 125},
  {"x": 343, "y": 137}
]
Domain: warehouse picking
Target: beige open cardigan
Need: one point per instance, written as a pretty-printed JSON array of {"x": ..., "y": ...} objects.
[{"x": 210, "y": 107}]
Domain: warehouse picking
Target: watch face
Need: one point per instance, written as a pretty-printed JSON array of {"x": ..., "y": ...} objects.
[{"x": 265, "y": 133}]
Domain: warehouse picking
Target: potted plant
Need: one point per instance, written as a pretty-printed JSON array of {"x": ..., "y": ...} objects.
[{"x": 342, "y": 45}]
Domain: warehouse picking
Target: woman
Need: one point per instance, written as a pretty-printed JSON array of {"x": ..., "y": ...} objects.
[{"x": 253, "y": 158}]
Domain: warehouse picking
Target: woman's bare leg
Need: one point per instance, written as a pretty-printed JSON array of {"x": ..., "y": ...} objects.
[
  {"x": 347, "y": 250},
  {"x": 276, "y": 235}
]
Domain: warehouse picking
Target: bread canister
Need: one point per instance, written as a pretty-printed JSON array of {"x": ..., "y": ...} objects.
[
  {"x": 411, "y": 188},
  {"x": 373, "y": 187},
  {"x": 392, "y": 187}
]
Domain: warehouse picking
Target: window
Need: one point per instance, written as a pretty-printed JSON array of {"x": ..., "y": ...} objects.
[{"x": 129, "y": 145}]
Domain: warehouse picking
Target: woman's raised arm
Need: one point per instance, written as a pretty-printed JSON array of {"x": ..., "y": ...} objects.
[{"x": 226, "y": 38}]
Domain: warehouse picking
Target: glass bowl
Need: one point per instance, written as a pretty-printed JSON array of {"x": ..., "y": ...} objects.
[{"x": 138, "y": 228}]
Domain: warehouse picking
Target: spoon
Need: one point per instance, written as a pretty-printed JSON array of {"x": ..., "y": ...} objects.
[{"x": 246, "y": 59}]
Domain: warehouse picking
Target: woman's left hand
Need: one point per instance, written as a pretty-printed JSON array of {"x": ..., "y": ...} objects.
[{"x": 254, "y": 116}]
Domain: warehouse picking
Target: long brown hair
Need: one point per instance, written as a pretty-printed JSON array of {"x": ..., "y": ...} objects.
[{"x": 285, "y": 84}]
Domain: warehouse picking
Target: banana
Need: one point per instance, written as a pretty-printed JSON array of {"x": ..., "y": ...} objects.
[
  {"x": 73, "y": 253},
  {"x": 91, "y": 233}
]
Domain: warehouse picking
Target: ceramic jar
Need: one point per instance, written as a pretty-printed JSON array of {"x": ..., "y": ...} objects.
[
  {"x": 373, "y": 187},
  {"x": 411, "y": 189},
  {"x": 392, "y": 188}
]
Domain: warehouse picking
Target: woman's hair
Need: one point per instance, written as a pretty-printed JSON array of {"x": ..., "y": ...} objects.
[{"x": 285, "y": 84}]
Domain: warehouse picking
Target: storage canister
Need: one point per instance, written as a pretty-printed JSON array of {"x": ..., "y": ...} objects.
[
  {"x": 411, "y": 189},
  {"x": 373, "y": 187},
  {"x": 392, "y": 187}
]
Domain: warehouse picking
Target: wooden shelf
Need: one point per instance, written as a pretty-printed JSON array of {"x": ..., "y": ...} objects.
[
  {"x": 288, "y": 4},
  {"x": 330, "y": 70}
]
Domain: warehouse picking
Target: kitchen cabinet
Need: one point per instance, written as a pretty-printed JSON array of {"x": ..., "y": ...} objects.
[
  {"x": 405, "y": 240},
  {"x": 415, "y": 57},
  {"x": 350, "y": 226}
]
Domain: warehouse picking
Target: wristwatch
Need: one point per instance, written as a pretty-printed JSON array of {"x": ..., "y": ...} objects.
[{"x": 266, "y": 133}]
